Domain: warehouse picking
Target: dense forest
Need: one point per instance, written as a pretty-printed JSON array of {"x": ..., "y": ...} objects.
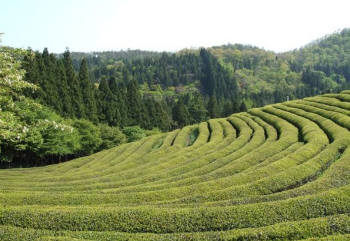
[
  {"x": 103, "y": 99},
  {"x": 235, "y": 75},
  {"x": 123, "y": 97},
  {"x": 33, "y": 134}
]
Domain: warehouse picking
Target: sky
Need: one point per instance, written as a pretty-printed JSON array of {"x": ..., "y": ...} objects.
[{"x": 168, "y": 25}]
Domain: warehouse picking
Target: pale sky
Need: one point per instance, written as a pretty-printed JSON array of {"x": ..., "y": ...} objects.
[{"x": 164, "y": 25}]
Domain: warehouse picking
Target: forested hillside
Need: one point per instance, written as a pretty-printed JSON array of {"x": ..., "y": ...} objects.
[
  {"x": 176, "y": 89},
  {"x": 121, "y": 98},
  {"x": 127, "y": 90},
  {"x": 32, "y": 134},
  {"x": 151, "y": 156},
  {"x": 262, "y": 76}
]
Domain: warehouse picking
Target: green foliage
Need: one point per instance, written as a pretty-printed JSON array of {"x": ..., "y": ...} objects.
[
  {"x": 281, "y": 172},
  {"x": 213, "y": 110},
  {"x": 144, "y": 86},
  {"x": 278, "y": 172},
  {"x": 154, "y": 131},
  {"x": 111, "y": 136},
  {"x": 32, "y": 134},
  {"x": 88, "y": 92},
  {"x": 133, "y": 133},
  {"x": 75, "y": 89},
  {"x": 180, "y": 113},
  {"x": 25, "y": 125},
  {"x": 243, "y": 107},
  {"x": 89, "y": 136}
]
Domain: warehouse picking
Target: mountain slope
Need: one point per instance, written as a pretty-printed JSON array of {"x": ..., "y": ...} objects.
[
  {"x": 277, "y": 172},
  {"x": 227, "y": 79}
]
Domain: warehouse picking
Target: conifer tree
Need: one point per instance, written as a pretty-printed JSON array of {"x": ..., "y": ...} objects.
[
  {"x": 213, "y": 107},
  {"x": 208, "y": 80},
  {"x": 180, "y": 114},
  {"x": 74, "y": 86},
  {"x": 196, "y": 108},
  {"x": 119, "y": 100},
  {"x": 243, "y": 107},
  {"x": 49, "y": 83},
  {"x": 107, "y": 110},
  {"x": 163, "y": 119},
  {"x": 63, "y": 90},
  {"x": 87, "y": 92},
  {"x": 146, "y": 119},
  {"x": 228, "y": 108},
  {"x": 134, "y": 103}
]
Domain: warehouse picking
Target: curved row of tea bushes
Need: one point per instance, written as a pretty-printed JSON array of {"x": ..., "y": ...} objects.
[
  {"x": 329, "y": 227},
  {"x": 242, "y": 140},
  {"x": 281, "y": 172},
  {"x": 155, "y": 220}
]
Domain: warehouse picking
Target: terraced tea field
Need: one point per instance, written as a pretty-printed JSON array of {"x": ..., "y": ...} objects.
[{"x": 281, "y": 172}]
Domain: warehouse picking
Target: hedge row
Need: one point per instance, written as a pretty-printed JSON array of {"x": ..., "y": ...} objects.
[{"x": 337, "y": 225}]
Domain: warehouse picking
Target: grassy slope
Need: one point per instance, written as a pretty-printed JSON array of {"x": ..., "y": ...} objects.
[{"x": 280, "y": 172}]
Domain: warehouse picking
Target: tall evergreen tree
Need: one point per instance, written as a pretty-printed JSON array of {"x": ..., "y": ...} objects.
[
  {"x": 208, "y": 80},
  {"x": 87, "y": 92},
  {"x": 181, "y": 115},
  {"x": 228, "y": 108},
  {"x": 108, "y": 111},
  {"x": 196, "y": 108},
  {"x": 118, "y": 91},
  {"x": 63, "y": 90},
  {"x": 74, "y": 86},
  {"x": 134, "y": 103},
  {"x": 163, "y": 119},
  {"x": 243, "y": 107},
  {"x": 213, "y": 107}
]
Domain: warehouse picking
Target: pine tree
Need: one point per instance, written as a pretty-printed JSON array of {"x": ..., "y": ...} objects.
[
  {"x": 87, "y": 92},
  {"x": 164, "y": 122},
  {"x": 63, "y": 90},
  {"x": 146, "y": 120},
  {"x": 243, "y": 107},
  {"x": 228, "y": 108},
  {"x": 235, "y": 106},
  {"x": 49, "y": 84},
  {"x": 208, "y": 80},
  {"x": 213, "y": 107},
  {"x": 180, "y": 114},
  {"x": 122, "y": 103},
  {"x": 119, "y": 100},
  {"x": 107, "y": 101},
  {"x": 134, "y": 103},
  {"x": 196, "y": 108},
  {"x": 74, "y": 86}
]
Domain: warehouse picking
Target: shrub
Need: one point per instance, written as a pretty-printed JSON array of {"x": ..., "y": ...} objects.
[
  {"x": 111, "y": 136},
  {"x": 89, "y": 136},
  {"x": 134, "y": 133}
]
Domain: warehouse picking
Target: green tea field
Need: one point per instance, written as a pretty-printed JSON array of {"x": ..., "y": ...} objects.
[{"x": 281, "y": 172}]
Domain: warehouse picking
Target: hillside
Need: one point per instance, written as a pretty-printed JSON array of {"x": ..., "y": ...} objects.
[
  {"x": 170, "y": 90},
  {"x": 280, "y": 172},
  {"x": 263, "y": 77},
  {"x": 132, "y": 87},
  {"x": 32, "y": 134}
]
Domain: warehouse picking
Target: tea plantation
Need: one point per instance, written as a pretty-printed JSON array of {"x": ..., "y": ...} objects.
[{"x": 281, "y": 172}]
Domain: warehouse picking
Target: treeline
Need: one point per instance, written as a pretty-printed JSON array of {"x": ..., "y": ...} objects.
[
  {"x": 117, "y": 99},
  {"x": 230, "y": 72},
  {"x": 266, "y": 77},
  {"x": 170, "y": 90},
  {"x": 170, "y": 70},
  {"x": 32, "y": 134}
]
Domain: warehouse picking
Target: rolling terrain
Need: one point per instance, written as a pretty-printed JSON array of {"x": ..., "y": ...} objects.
[{"x": 280, "y": 172}]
